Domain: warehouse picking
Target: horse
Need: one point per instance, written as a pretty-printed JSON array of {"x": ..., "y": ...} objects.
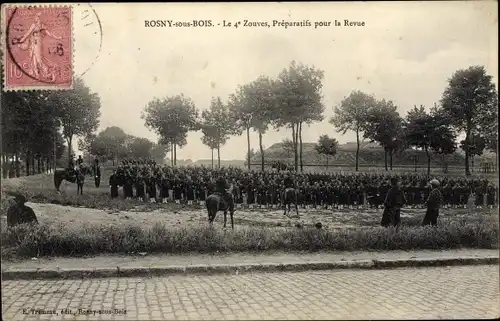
[
  {"x": 215, "y": 203},
  {"x": 289, "y": 196},
  {"x": 79, "y": 178}
]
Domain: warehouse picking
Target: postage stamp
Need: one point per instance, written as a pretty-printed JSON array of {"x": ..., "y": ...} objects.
[{"x": 37, "y": 46}]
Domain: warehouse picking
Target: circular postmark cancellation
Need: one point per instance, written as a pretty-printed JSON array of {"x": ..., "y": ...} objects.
[{"x": 39, "y": 46}]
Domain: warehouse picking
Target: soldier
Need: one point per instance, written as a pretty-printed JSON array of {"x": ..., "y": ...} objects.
[
  {"x": 433, "y": 204},
  {"x": 79, "y": 161},
  {"x": 139, "y": 186},
  {"x": 395, "y": 199},
  {"x": 19, "y": 213},
  {"x": 113, "y": 184}
]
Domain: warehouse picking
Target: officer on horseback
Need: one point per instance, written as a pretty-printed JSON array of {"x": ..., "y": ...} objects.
[
  {"x": 289, "y": 182},
  {"x": 221, "y": 188}
]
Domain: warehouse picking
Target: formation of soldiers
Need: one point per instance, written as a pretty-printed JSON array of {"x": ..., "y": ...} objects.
[{"x": 191, "y": 184}]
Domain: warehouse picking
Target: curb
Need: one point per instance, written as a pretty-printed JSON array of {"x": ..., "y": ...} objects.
[{"x": 34, "y": 274}]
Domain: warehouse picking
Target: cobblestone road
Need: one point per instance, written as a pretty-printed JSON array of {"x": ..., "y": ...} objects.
[{"x": 455, "y": 292}]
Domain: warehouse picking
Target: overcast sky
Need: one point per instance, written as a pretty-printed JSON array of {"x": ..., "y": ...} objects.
[{"x": 405, "y": 53}]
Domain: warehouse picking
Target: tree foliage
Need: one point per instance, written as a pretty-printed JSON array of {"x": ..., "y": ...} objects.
[
  {"x": 385, "y": 126},
  {"x": 171, "y": 118},
  {"x": 429, "y": 132},
  {"x": 217, "y": 125},
  {"x": 297, "y": 100},
  {"x": 470, "y": 102},
  {"x": 352, "y": 115}
]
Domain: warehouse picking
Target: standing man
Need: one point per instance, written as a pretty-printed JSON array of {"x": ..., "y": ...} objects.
[
  {"x": 394, "y": 200},
  {"x": 433, "y": 204}
]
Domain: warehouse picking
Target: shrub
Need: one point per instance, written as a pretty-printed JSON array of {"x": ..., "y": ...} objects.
[{"x": 44, "y": 240}]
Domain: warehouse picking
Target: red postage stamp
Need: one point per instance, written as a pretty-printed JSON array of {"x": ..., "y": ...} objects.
[{"x": 37, "y": 47}]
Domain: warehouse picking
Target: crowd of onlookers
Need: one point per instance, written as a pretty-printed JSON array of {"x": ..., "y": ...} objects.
[{"x": 264, "y": 188}]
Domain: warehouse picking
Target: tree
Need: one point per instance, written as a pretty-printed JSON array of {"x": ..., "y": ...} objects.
[
  {"x": 171, "y": 118},
  {"x": 252, "y": 106},
  {"x": 430, "y": 132},
  {"x": 288, "y": 146},
  {"x": 476, "y": 146},
  {"x": 29, "y": 130},
  {"x": 140, "y": 147},
  {"x": 242, "y": 115},
  {"x": 298, "y": 100},
  {"x": 78, "y": 111},
  {"x": 470, "y": 102},
  {"x": 352, "y": 115},
  {"x": 384, "y": 125},
  {"x": 250, "y": 155},
  {"x": 326, "y": 146},
  {"x": 217, "y": 126},
  {"x": 85, "y": 144},
  {"x": 209, "y": 138},
  {"x": 109, "y": 144}
]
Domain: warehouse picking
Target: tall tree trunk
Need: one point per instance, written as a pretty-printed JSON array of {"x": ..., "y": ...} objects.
[
  {"x": 357, "y": 150},
  {"x": 175, "y": 153},
  {"x": 69, "y": 140},
  {"x": 300, "y": 146},
  {"x": 428, "y": 161},
  {"x": 212, "y": 158},
  {"x": 391, "y": 152},
  {"x": 27, "y": 169},
  {"x": 295, "y": 132},
  {"x": 294, "y": 146},
  {"x": 39, "y": 165},
  {"x": 218, "y": 155},
  {"x": 496, "y": 159},
  {"x": 385, "y": 158},
  {"x": 261, "y": 151},
  {"x": 33, "y": 171},
  {"x": 248, "y": 148},
  {"x": 467, "y": 153},
  {"x": 172, "y": 154}
]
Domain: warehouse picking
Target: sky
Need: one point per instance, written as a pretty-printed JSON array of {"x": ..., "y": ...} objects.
[{"x": 406, "y": 52}]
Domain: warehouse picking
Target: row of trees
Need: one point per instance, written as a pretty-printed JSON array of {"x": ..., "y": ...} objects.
[
  {"x": 292, "y": 100},
  {"x": 37, "y": 125},
  {"x": 113, "y": 144},
  {"x": 468, "y": 106}
]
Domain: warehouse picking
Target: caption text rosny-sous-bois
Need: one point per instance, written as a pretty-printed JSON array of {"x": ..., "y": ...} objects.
[{"x": 248, "y": 23}]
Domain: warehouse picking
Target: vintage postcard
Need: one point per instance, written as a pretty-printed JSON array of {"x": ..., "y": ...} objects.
[{"x": 305, "y": 160}]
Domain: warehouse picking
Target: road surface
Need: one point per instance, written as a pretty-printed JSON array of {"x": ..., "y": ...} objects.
[{"x": 411, "y": 293}]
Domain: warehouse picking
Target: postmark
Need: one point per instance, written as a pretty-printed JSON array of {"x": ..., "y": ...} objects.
[{"x": 38, "y": 47}]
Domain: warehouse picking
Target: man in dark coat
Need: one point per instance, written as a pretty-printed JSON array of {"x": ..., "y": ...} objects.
[
  {"x": 20, "y": 213},
  {"x": 113, "y": 184},
  {"x": 433, "y": 204},
  {"x": 394, "y": 200}
]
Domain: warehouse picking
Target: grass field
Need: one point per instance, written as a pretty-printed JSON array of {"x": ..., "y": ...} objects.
[{"x": 95, "y": 224}]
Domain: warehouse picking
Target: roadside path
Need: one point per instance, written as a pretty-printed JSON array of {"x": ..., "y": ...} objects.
[{"x": 158, "y": 260}]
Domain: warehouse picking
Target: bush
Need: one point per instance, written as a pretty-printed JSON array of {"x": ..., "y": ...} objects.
[{"x": 44, "y": 240}]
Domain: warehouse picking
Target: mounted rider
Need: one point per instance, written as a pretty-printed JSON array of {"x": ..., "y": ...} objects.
[
  {"x": 288, "y": 182},
  {"x": 221, "y": 189}
]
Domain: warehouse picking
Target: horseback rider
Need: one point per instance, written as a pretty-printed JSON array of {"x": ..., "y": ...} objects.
[
  {"x": 289, "y": 182},
  {"x": 221, "y": 188},
  {"x": 71, "y": 166}
]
